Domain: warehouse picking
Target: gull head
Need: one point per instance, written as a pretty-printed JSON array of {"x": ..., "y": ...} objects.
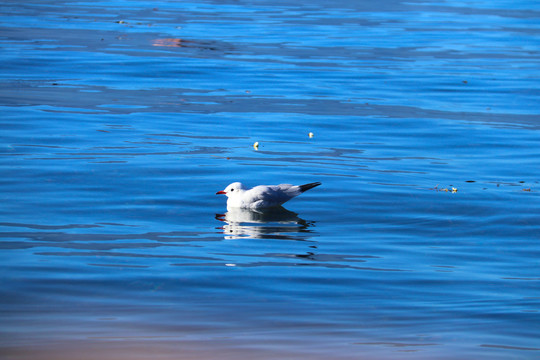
[{"x": 232, "y": 189}]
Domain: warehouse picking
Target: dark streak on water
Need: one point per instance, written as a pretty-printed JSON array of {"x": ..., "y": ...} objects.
[{"x": 120, "y": 120}]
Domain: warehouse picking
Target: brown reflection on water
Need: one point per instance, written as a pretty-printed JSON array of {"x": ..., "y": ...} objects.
[
  {"x": 171, "y": 42},
  {"x": 124, "y": 347}
]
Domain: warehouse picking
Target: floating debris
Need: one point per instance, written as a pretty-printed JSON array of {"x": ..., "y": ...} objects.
[
  {"x": 310, "y": 135},
  {"x": 452, "y": 189},
  {"x": 256, "y": 145}
]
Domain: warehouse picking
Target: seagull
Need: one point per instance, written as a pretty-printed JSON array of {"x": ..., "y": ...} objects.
[{"x": 262, "y": 196}]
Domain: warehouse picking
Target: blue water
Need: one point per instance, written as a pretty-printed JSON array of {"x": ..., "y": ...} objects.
[{"x": 121, "y": 119}]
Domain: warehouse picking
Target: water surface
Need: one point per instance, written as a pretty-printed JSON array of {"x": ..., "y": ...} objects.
[{"x": 120, "y": 120}]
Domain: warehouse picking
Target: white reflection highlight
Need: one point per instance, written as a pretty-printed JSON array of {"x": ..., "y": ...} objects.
[{"x": 274, "y": 223}]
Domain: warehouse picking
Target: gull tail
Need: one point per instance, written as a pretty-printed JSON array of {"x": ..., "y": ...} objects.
[{"x": 306, "y": 187}]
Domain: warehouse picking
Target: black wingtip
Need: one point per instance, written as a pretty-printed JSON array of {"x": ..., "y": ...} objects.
[{"x": 306, "y": 187}]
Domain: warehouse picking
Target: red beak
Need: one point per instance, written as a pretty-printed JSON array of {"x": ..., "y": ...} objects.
[{"x": 221, "y": 192}]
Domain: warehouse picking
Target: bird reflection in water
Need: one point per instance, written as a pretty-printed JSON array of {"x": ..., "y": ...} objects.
[{"x": 272, "y": 223}]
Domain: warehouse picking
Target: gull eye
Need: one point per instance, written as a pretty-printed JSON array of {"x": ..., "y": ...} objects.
[{"x": 232, "y": 189}]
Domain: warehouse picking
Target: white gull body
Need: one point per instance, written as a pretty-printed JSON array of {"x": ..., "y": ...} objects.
[{"x": 262, "y": 196}]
